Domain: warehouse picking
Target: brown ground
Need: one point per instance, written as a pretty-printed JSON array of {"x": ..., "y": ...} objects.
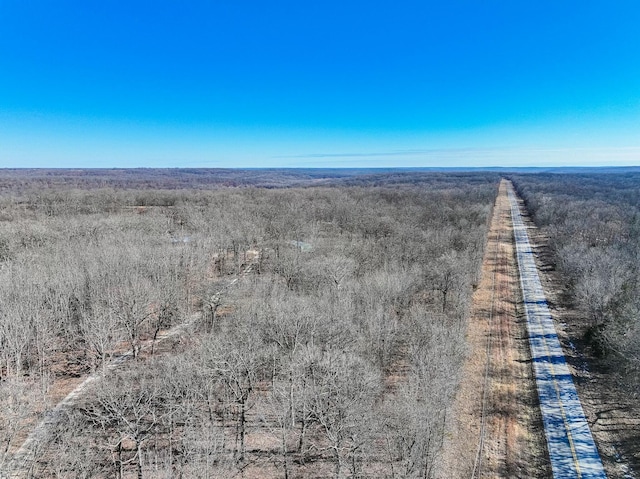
[
  {"x": 612, "y": 411},
  {"x": 495, "y": 428}
]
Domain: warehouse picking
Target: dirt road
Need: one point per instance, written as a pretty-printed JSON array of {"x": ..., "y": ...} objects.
[{"x": 495, "y": 429}]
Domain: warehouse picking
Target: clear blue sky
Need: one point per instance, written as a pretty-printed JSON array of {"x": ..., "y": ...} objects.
[{"x": 319, "y": 83}]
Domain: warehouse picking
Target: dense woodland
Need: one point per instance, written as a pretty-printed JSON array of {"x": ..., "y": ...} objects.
[
  {"x": 593, "y": 224},
  {"x": 335, "y": 354}
]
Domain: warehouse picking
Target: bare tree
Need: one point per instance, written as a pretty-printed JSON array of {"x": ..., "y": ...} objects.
[
  {"x": 236, "y": 363},
  {"x": 127, "y": 405},
  {"x": 16, "y": 406},
  {"x": 343, "y": 389}
]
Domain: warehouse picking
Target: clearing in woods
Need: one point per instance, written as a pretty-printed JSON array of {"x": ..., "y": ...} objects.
[{"x": 495, "y": 429}]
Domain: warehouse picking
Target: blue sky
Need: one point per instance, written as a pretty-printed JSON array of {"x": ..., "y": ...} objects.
[{"x": 349, "y": 83}]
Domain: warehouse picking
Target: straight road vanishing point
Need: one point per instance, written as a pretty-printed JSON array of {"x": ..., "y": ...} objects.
[{"x": 572, "y": 451}]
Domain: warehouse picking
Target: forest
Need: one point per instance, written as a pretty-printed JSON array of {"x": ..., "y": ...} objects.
[
  {"x": 593, "y": 225},
  {"x": 302, "y": 328}
]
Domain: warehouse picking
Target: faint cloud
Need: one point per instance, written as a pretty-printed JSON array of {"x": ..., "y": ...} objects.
[
  {"x": 474, "y": 157},
  {"x": 374, "y": 154}
]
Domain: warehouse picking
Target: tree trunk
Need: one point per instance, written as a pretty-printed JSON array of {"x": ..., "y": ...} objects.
[
  {"x": 338, "y": 468},
  {"x": 444, "y": 301},
  {"x": 139, "y": 454},
  {"x": 303, "y": 430},
  {"x": 119, "y": 465},
  {"x": 285, "y": 453},
  {"x": 242, "y": 429},
  {"x": 292, "y": 409}
]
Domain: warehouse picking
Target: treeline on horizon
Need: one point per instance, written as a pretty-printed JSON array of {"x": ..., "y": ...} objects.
[
  {"x": 92, "y": 191},
  {"x": 16, "y": 181}
]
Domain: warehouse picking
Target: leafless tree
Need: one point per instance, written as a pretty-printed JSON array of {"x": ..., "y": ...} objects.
[
  {"x": 126, "y": 405},
  {"x": 342, "y": 391}
]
